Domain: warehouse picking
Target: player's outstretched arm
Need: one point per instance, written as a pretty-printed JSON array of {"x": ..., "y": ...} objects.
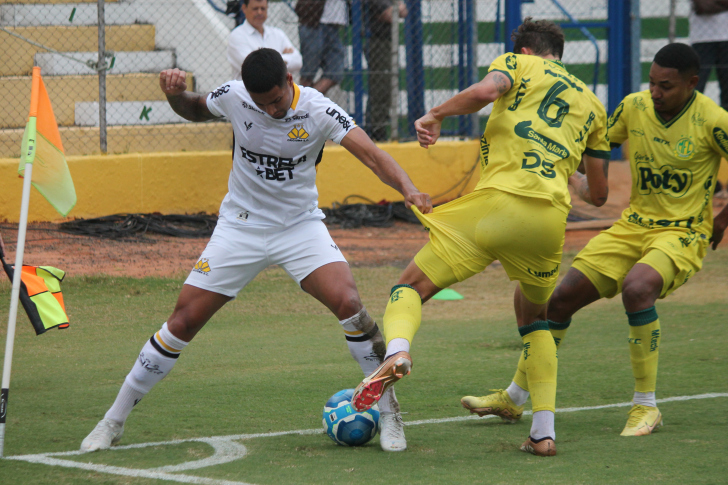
[
  {"x": 471, "y": 100},
  {"x": 386, "y": 168},
  {"x": 190, "y": 106},
  {"x": 593, "y": 187}
]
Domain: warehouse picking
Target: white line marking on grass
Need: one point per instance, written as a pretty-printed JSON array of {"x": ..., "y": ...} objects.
[{"x": 226, "y": 449}]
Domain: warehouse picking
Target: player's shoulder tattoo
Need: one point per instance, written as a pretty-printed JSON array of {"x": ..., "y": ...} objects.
[{"x": 502, "y": 83}]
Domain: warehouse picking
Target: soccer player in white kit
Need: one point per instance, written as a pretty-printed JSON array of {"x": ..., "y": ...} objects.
[{"x": 269, "y": 216}]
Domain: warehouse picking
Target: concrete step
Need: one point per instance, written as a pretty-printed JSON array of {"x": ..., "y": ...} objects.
[
  {"x": 128, "y": 113},
  {"x": 18, "y": 55},
  {"x": 69, "y": 13},
  {"x": 132, "y": 139},
  {"x": 123, "y": 62},
  {"x": 65, "y": 91}
]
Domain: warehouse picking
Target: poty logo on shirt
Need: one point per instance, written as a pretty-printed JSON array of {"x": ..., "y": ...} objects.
[{"x": 346, "y": 123}]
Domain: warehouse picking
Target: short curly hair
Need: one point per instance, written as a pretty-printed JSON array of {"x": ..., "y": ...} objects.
[{"x": 542, "y": 36}]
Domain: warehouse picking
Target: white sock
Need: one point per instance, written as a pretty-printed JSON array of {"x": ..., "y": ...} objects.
[
  {"x": 518, "y": 395},
  {"x": 365, "y": 340},
  {"x": 397, "y": 345},
  {"x": 645, "y": 398},
  {"x": 543, "y": 425},
  {"x": 155, "y": 360},
  {"x": 127, "y": 398},
  {"x": 388, "y": 402}
]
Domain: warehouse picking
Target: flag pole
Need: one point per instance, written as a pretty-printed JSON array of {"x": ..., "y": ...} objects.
[
  {"x": 27, "y": 154},
  {"x": 14, "y": 300}
]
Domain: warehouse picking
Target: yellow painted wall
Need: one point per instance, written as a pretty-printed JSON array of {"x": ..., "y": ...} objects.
[{"x": 197, "y": 181}]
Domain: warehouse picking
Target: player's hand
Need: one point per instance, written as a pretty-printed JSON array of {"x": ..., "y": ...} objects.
[
  {"x": 419, "y": 200},
  {"x": 287, "y": 50},
  {"x": 718, "y": 229},
  {"x": 428, "y": 130},
  {"x": 173, "y": 82}
]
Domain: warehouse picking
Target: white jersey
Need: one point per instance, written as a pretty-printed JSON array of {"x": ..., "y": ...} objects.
[{"x": 273, "y": 180}]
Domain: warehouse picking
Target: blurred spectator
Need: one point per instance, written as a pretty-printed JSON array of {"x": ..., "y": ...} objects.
[
  {"x": 251, "y": 35},
  {"x": 320, "y": 23},
  {"x": 378, "y": 14},
  {"x": 709, "y": 37}
]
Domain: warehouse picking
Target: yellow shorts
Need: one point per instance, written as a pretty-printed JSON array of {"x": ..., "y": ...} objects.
[
  {"x": 525, "y": 234},
  {"x": 677, "y": 254}
]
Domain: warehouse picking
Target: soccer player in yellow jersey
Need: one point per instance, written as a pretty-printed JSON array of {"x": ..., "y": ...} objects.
[
  {"x": 544, "y": 123},
  {"x": 676, "y": 139}
]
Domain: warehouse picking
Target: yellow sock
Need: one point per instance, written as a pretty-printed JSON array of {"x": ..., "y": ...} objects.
[
  {"x": 644, "y": 345},
  {"x": 403, "y": 314},
  {"x": 558, "y": 331},
  {"x": 539, "y": 357}
]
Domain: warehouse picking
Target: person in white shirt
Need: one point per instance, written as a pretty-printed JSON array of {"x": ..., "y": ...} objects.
[
  {"x": 269, "y": 216},
  {"x": 709, "y": 38},
  {"x": 253, "y": 34}
]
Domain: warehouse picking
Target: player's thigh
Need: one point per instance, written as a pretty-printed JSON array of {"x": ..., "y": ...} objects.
[
  {"x": 333, "y": 285},
  {"x": 607, "y": 258},
  {"x": 677, "y": 256},
  {"x": 232, "y": 258},
  {"x": 526, "y": 235},
  {"x": 452, "y": 254},
  {"x": 303, "y": 248}
]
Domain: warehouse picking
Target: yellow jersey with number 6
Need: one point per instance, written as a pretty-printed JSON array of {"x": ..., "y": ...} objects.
[
  {"x": 674, "y": 163},
  {"x": 539, "y": 129}
]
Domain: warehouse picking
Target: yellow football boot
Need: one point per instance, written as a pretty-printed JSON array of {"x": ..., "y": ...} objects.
[
  {"x": 499, "y": 403},
  {"x": 643, "y": 420}
]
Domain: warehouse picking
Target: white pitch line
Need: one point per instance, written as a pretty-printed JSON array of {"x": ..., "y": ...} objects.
[{"x": 226, "y": 450}]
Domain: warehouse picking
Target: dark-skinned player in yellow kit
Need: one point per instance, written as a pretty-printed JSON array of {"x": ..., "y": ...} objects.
[
  {"x": 544, "y": 123},
  {"x": 676, "y": 139}
]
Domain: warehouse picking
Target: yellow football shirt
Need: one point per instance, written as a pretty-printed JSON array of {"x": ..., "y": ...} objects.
[
  {"x": 674, "y": 163},
  {"x": 539, "y": 129}
]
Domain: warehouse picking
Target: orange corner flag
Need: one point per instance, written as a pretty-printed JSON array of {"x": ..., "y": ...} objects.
[{"x": 42, "y": 144}]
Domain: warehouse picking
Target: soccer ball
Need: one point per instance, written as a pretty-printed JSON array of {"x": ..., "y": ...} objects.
[{"x": 345, "y": 425}]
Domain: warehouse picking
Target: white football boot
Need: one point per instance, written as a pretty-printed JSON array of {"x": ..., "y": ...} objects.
[
  {"x": 108, "y": 432},
  {"x": 391, "y": 432}
]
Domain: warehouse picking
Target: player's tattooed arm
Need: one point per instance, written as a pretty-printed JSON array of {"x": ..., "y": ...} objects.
[
  {"x": 190, "y": 106},
  {"x": 471, "y": 100}
]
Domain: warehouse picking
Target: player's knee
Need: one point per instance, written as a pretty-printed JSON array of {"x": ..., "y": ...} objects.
[
  {"x": 560, "y": 307},
  {"x": 183, "y": 325},
  {"x": 638, "y": 295},
  {"x": 348, "y": 305}
]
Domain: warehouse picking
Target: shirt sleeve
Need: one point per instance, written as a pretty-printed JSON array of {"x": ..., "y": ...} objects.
[
  {"x": 218, "y": 100},
  {"x": 597, "y": 143},
  {"x": 334, "y": 121},
  {"x": 617, "y": 126},
  {"x": 720, "y": 133},
  {"x": 508, "y": 64}
]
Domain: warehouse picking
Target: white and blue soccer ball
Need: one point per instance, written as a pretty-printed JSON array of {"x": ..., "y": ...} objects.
[{"x": 345, "y": 425}]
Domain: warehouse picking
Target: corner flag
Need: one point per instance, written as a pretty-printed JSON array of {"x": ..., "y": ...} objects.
[{"x": 42, "y": 144}]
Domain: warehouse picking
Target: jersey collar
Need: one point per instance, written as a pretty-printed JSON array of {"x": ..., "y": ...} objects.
[
  {"x": 668, "y": 124},
  {"x": 296, "y": 96},
  {"x": 558, "y": 63}
]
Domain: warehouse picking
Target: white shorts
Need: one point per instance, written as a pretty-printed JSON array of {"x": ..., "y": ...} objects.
[{"x": 236, "y": 254}]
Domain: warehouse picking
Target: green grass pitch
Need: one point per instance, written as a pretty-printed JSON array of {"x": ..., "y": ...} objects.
[{"x": 270, "y": 359}]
